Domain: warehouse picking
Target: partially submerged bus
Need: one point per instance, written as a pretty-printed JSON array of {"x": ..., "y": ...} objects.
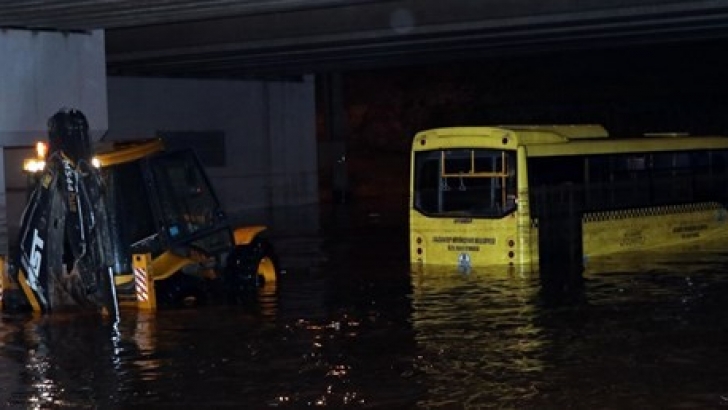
[{"x": 480, "y": 195}]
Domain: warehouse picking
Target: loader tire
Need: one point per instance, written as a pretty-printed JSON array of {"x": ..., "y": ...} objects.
[{"x": 250, "y": 268}]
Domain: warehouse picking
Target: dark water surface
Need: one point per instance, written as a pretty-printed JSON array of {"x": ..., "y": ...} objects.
[{"x": 350, "y": 327}]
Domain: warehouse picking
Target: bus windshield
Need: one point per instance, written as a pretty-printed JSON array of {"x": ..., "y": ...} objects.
[{"x": 465, "y": 182}]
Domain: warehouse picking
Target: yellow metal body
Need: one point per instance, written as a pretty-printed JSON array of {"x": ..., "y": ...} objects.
[
  {"x": 673, "y": 229},
  {"x": 245, "y": 235},
  {"x": 119, "y": 154},
  {"x": 145, "y": 294},
  {"x": 161, "y": 267},
  {"x": 487, "y": 242},
  {"x": 267, "y": 269},
  {"x": 146, "y": 269},
  {"x": 512, "y": 240}
]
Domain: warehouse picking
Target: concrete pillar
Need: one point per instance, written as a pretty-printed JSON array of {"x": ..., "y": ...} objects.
[
  {"x": 336, "y": 126},
  {"x": 292, "y": 153},
  {"x": 41, "y": 72}
]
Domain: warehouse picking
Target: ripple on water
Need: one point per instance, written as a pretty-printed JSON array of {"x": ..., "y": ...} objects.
[{"x": 653, "y": 337}]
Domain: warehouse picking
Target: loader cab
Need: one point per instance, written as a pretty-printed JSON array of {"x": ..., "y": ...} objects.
[{"x": 164, "y": 202}]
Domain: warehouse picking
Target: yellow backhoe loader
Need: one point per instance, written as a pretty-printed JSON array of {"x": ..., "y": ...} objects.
[{"x": 129, "y": 224}]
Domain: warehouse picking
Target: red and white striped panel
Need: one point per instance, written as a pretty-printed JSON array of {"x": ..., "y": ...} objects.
[{"x": 140, "y": 282}]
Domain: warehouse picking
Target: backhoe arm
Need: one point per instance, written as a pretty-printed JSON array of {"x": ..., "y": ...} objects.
[{"x": 64, "y": 244}]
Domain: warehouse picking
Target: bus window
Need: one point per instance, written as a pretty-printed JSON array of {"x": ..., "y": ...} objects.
[
  {"x": 672, "y": 178},
  {"x": 465, "y": 182},
  {"x": 551, "y": 171}
]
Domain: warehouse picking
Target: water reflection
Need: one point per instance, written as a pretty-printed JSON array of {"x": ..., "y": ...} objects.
[
  {"x": 51, "y": 356},
  {"x": 641, "y": 339},
  {"x": 479, "y": 342},
  {"x": 354, "y": 328}
]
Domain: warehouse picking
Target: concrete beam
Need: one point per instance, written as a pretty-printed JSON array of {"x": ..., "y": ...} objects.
[{"x": 402, "y": 32}]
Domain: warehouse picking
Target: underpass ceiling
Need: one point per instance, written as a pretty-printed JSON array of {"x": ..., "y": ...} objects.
[
  {"x": 110, "y": 14},
  {"x": 234, "y": 39}
]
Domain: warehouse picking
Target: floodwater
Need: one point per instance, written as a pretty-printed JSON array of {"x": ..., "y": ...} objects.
[{"x": 350, "y": 327}]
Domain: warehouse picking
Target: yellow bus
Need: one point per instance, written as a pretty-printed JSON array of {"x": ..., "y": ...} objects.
[{"x": 483, "y": 196}]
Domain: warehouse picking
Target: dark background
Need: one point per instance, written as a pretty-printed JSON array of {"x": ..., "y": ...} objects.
[{"x": 630, "y": 90}]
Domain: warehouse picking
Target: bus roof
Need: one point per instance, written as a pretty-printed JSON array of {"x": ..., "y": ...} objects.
[
  {"x": 533, "y": 134},
  {"x": 561, "y": 140},
  {"x": 627, "y": 145}
]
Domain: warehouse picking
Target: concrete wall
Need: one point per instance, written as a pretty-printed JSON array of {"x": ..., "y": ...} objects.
[
  {"x": 269, "y": 126},
  {"x": 41, "y": 72}
]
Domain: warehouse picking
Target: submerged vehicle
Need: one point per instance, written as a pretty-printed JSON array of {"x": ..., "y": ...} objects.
[
  {"x": 141, "y": 227},
  {"x": 517, "y": 196}
]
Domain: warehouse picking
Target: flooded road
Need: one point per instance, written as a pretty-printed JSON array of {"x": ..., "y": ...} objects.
[{"x": 349, "y": 326}]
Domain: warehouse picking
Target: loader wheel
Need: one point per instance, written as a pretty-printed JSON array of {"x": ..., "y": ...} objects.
[
  {"x": 180, "y": 290},
  {"x": 250, "y": 268}
]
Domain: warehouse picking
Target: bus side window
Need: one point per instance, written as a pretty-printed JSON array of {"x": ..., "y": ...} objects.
[{"x": 718, "y": 163}]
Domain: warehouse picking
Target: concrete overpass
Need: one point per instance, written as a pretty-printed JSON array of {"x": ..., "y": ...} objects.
[
  {"x": 233, "y": 39},
  {"x": 243, "y": 69}
]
